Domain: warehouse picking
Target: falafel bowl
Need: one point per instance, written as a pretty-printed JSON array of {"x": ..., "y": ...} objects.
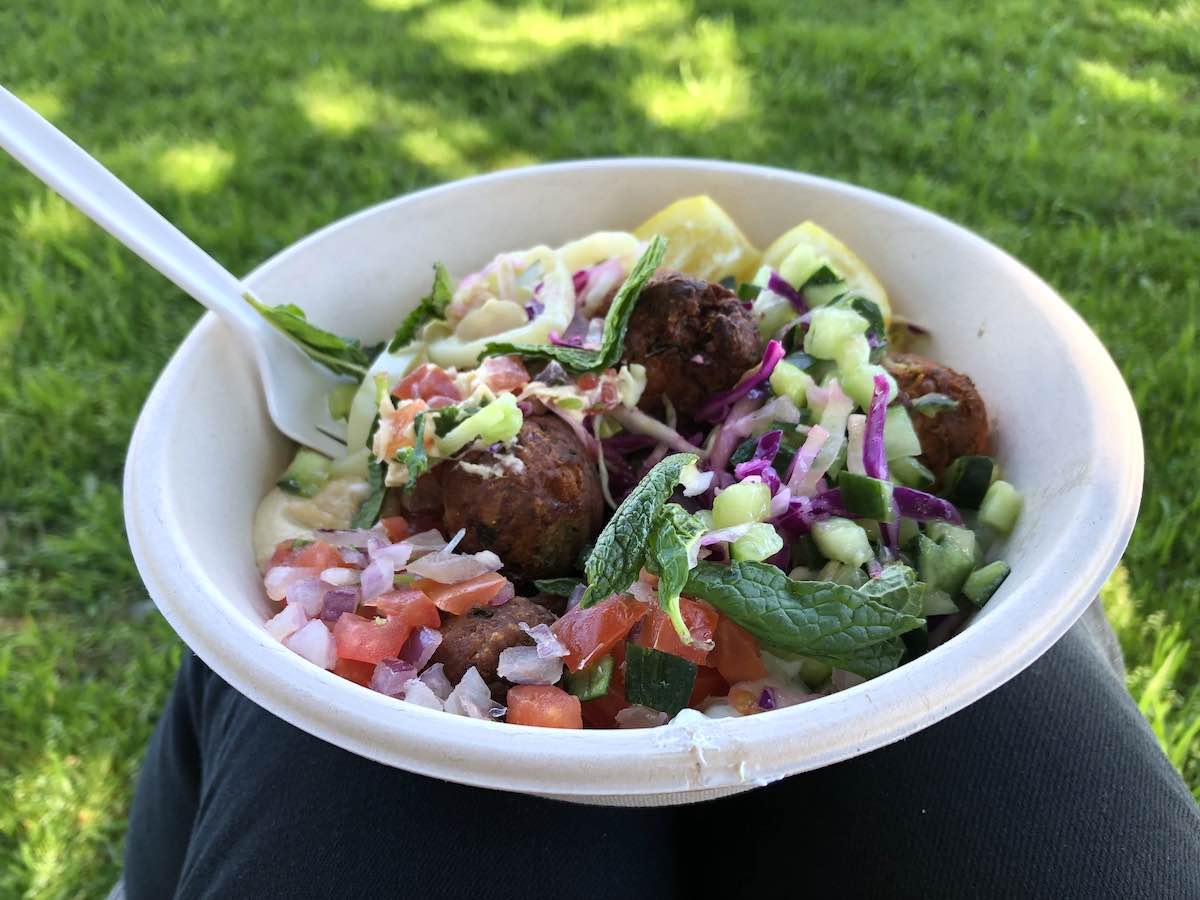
[{"x": 638, "y": 476}]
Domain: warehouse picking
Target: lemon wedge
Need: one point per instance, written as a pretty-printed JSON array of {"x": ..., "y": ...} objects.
[
  {"x": 809, "y": 240},
  {"x": 702, "y": 240}
]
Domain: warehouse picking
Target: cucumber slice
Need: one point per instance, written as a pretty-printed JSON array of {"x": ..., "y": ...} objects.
[
  {"x": 341, "y": 398},
  {"x": 829, "y": 328},
  {"x": 909, "y": 530},
  {"x": 761, "y": 542},
  {"x": 967, "y": 480},
  {"x": 658, "y": 680},
  {"x": 1000, "y": 507},
  {"x": 792, "y": 382},
  {"x": 867, "y": 498},
  {"x": 814, "y": 673},
  {"x": 909, "y": 471},
  {"x": 307, "y": 474},
  {"x": 592, "y": 682},
  {"x": 841, "y": 573},
  {"x": 982, "y": 583},
  {"x": 938, "y": 603},
  {"x": 899, "y": 436},
  {"x": 746, "y": 501},
  {"x": 843, "y": 540},
  {"x": 963, "y": 538},
  {"x": 943, "y": 565}
]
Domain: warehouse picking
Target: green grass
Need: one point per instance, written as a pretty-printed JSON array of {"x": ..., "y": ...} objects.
[{"x": 1066, "y": 132}]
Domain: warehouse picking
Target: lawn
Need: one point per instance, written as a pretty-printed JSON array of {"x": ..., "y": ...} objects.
[{"x": 1066, "y": 132}]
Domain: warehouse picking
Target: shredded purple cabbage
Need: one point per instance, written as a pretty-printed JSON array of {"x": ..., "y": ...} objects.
[
  {"x": 718, "y": 405},
  {"x": 923, "y": 507},
  {"x": 579, "y": 280},
  {"x": 777, "y": 284},
  {"x": 803, "y": 511},
  {"x": 533, "y": 309},
  {"x": 874, "y": 455}
]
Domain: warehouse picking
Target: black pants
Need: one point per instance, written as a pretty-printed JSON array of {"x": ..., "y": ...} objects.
[{"x": 1050, "y": 787}]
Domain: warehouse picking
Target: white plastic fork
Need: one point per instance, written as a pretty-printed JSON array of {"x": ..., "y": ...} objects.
[{"x": 296, "y": 388}]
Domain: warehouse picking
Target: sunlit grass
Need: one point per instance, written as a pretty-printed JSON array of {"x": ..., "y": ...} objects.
[
  {"x": 48, "y": 217},
  {"x": 46, "y": 101},
  {"x": 446, "y": 149},
  {"x": 336, "y": 103},
  {"x": 195, "y": 168},
  {"x": 1117, "y": 85}
]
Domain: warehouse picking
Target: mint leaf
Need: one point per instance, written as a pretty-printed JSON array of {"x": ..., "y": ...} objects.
[
  {"x": 557, "y": 587},
  {"x": 812, "y": 618},
  {"x": 897, "y": 586},
  {"x": 368, "y": 511},
  {"x": 870, "y": 661},
  {"x": 345, "y": 356},
  {"x": 620, "y": 549},
  {"x": 578, "y": 359},
  {"x": 432, "y": 306},
  {"x": 673, "y": 540}
]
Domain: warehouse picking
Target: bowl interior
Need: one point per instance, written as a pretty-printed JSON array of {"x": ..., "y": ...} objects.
[{"x": 1066, "y": 434}]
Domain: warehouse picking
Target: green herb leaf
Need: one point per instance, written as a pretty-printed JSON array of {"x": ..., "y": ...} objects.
[
  {"x": 592, "y": 682},
  {"x": 820, "y": 278},
  {"x": 746, "y": 291},
  {"x": 673, "y": 541},
  {"x": 368, "y": 511},
  {"x": 812, "y": 618},
  {"x": 432, "y": 306},
  {"x": 897, "y": 586},
  {"x": 612, "y": 344},
  {"x": 415, "y": 459},
  {"x": 345, "y": 356},
  {"x": 870, "y": 661},
  {"x": 932, "y": 404},
  {"x": 557, "y": 587},
  {"x": 658, "y": 680},
  {"x": 620, "y": 549}
]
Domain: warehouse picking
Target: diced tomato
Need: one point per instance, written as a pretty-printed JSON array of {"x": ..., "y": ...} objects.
[
  {"x": 503, "y": 373},
  {"x": 352, "y": 670},
  {"x": 709, "y": 683},
  {"x": 283, "y": 553},
  {"x": 396, "y": 426},
  {"x": 318, "y": 555},
  {"x": 396, "y": 527},
  {"x": 427, "y": 382},
  {"x": 658, "y": 632},
  {"x": 544, "y": 705},
  {"x": 587, "y": 382},
  {"x": 736, "y": 655},
  {"x": 413, "y": 608},
  {"x": 458, "y": 598},
  {"x": 591, "y": 633},
  {"x": 369, "y": 640}
]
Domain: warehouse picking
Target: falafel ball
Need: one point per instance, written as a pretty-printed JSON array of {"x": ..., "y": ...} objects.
[
  {"x": 695, "y": 339},
  {"x": 537, "y": 516},
  {"x": 477, "y": 637},
  {"x": 953, "y": 432}
]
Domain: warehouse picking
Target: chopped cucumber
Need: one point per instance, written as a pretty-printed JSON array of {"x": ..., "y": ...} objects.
[
  {"x": 938, "y": 603},
  {"x": 805, "y": 553},
  {"x": 353, "y": 463},
  {"x": 791, "y": 382},
  {"x": 814, "y": 673},
  {"x": 1000, "y": 507},
  {"x": 854, "y": 353},
  {"x": 841, "y": 573},
  {"x": 909, "y": 530},
  {"x": 658, "y": 680},
  {"x": 746, "y": 501},
  {"x": 761, "y": 542},
  {"x": 842, "y": 540},
  {"x": 592, "y": 682},
  {"x": 859, "y": 384},
  {"x": 983, "y": 582},
  {"x": 341, "y": 398},
  {"x": 839, "y": 463},
  {"x": 967, "y": 480},
  {"x": 899, "y": 436},
  {"x": 829, "y": 328},
  {"x": 500, "y": 420},
  {"x": 867, "y": 498},
  {"x": 800, "y": 265},
  {"x": 307, "y": 474},
  {"x": 871, "y": 527},
  {"x": 963, "y": 538},
  {"x": 909, "y": 471},
  {"x": 943, "y": 565},
  {"x": 771, "y": 312}
]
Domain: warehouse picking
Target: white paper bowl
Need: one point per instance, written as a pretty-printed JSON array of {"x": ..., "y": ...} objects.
[{"x": 204, "y": 452}]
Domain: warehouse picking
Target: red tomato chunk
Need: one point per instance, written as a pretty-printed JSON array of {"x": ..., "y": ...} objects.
[
  {"x": 658, "y": 632},
  {"x": 369, "y": 640},
  {"x": 591, "y": 633},
  {"x": 543, "y": 705}
]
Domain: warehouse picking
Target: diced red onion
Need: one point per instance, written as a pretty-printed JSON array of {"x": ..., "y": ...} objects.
[
  {"x": 353, "y": 557},
  {"x": 874, "y": 456},
  {"x": 453, "y": 567},
  {"x": 391, "y": 675},
  {"x": 340, "y": 577},
  {"x": 717, "y": 406},
  {"x": 435, "y": 679},
  {"x": 355, "y": 537},
  {"x": 315, "y": 643},
  {"x": 643, "y": 593},
  {"x": 279, "y": 579},
  {"x": 397, "y": 554},
  {"x": 777, "y": 284},
  {"x": 923, "y": 507},
  {"x": 338, "y": 601},
  {"x": 695, "y": 482},
  {"x": 548, "y": 644},
  {"x": 523, "y": 665},
  {"x": 781, "y": 500},
  {"x": 766, "y": 700},
  {"x": 377, "y": 578},
  {"x": 425, "y": 541},
  {"x": 286, "y": 622},
  {"x": 418, "y": 693},
  {"x": 577, "y": 593},
  {"x": 472, "y": 698},
  {"x": 533, "y": 309},
  {"x": 502, "y": 596},
  {"x": 309, "y": 595},
  {"x": 874, "y": 567},
  {"x": 420, "y": 647},
  {"x": 640, "y": 717}
]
